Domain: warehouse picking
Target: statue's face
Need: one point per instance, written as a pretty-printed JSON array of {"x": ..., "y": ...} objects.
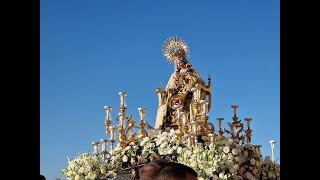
[{"x": 181, "y": 64}]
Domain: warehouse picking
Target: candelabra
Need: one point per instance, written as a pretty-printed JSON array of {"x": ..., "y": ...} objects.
[
  {"x": 123, "y": 131},
  {"x": 193, "y": 126}
]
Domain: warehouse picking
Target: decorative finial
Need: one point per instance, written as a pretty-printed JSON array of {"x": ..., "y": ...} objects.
[{"x": 175, "y": 48}]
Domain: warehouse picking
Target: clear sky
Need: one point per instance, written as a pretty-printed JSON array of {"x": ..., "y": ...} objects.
[{"x": 91, "y": 50}]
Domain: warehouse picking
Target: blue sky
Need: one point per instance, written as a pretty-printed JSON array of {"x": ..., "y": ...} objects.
[{"x": 91, "y": 50}]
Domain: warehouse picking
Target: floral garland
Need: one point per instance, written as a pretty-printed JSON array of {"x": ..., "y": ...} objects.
[{"x": 227, "y": 159}]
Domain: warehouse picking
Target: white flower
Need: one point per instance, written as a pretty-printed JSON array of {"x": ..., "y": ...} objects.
[
  {"x": 69, "y": 173},
  {"x": 81, "y": 170},
  {"x": 238, "y": 159},
  {"x": 127, "y": 148},
  {"x": 226, "y": 149},
  {"x": 255, "y": 171},
  {"x": 236, "y": 167},
  {"x": 163, "y": 145},
  {"x": 245, "y": 154},
  {"x": 170, "y": 151},
  {"x": 142, "y": 143},
  {"x": 221, "y": 175},
  {"x": 125, "y": 158},
  {"x": 200, "y": 178},
  {"x": 252, "y": 161},
  {"x": 215, "y": 177},
  {"x": 179, "y": 150},
  {"x": 235, "y": 151}
]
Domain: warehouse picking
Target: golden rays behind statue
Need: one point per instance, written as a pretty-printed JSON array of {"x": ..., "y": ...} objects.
[{"x": 175, "y": 48}]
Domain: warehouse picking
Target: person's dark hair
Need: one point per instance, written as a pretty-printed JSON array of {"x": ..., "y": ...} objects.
[
  {"x": 42, "y": 177},
  {"x": 147, "y": 171},
  {"x": 174, "y": 171}
]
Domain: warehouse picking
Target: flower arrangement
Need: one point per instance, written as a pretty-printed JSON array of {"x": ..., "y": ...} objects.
[
  {"x": 86, "y": 166},
  {"x": 227, "y": 159}
]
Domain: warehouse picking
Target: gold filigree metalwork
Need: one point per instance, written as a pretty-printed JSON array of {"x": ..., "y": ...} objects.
[{"x": 175, "y": 48}]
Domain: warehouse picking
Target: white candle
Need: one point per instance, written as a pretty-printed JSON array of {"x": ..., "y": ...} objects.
[
  {"x": 142, "y": 112},
  {"x": 211, "y": 137},
  {"x": 122, "y": 99},
  {"x": 112, "y": 134},
  {"x": 108, "y": 111},
  {"x": 96, "y": 147}
]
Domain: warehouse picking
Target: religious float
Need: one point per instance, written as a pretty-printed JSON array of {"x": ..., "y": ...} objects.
[{"x": 182, "y": 133}]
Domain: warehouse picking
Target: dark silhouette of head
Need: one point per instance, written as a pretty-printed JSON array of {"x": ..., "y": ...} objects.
[
  {"x": 42, "y": 177},
  {"x": 148, "y": 170},
  {"x": 175, "y": 171}
]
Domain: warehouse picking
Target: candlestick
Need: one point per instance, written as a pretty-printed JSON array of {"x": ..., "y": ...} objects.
[
  {"x": 112, "y": 134},
  {"x": 235, "y": 109},
  {"x": 211, "y": 137},
  {"x": 96, "y": 147},
  {"x": 220, "y": 123},
  {"x": 272, "y": 142},
  {"x": 142, "y": 112},
  {"x": 122, "y": 99},
  {"x": 108, "y": 112},
  {"x": 104, "y": 144},
  {"x": 232, "y": 128},
  {"x": 248, "y": 122},
  {"x": 121, "y": 119}
]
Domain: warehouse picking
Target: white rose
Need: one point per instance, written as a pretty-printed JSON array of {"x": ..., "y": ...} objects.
[
  {"x": 226, "y": 149},
  {"x": 236, "y": 167},
  {"x": 142, "y": 143},
  {"x": 245, "y": 153},
  {"x": 224, "y": 157},
  {"x": 235, "y": 151},
  {"x": 252, "y": 161},
  {"x": 258, "y": 164},
  {"x": 81, "y": 170},
  {"x": 127, "y": 148},
  {"x": 215, "y": 177},
  {"x": 163, "y": 145},
  {"x": 179, "y": 150},
  {"x": 170, "y": 151},
  {"x": 125, "y": 158},
  {"x": 193, "y": 164},
  {"x": 221, "y": 175},
  {"x": 77, "y": 177},
  {"x": 69, "y": 173},
  {"x": 238, "y": 159}
]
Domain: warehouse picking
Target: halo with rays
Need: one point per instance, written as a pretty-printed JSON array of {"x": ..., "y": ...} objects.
[{"x": 175, "y": 48}]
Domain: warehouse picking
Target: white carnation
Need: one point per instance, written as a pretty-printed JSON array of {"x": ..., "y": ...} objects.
[
  {"x": 127, "y": 148},
  {"x": 221, "y": 175},
  {"x": 252, "y": 161},
  {"x": 125, "y": 158},
  {"x": 245, "y": 153},
  {"x": 235, "y": 151},
  {"x": 226, "y": 149}
]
